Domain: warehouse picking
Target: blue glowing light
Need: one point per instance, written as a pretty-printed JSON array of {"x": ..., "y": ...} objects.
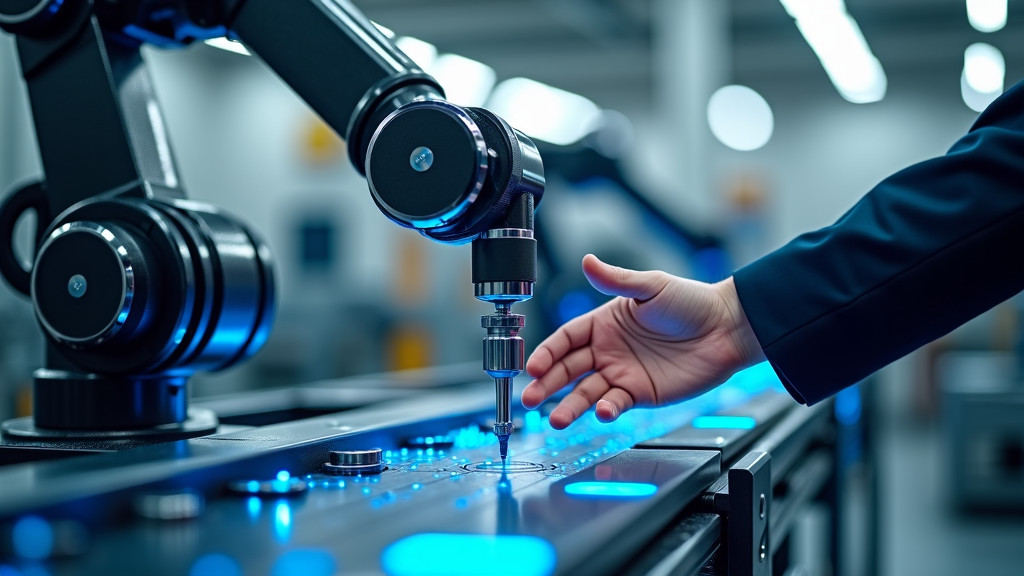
[
  {"x": 6, "y": 570},
  {"x": 283, "y": 521},
  {"x": 417, "y": 486},
  {"x": 305, "y": 562},
  {"x": 532, "y": 421},
  {"x": 283, "y": 476},
  {"x": 252, "y": 486},
  {"x": 253, "y": 505},
  {"x": 32, "y": 538},
  {"x": 848, "y": 406},
  {"x": 215, "y": 565},
  {"x": 478, "y": 555},
  {"x": 575, "y": 303},
  {"x": 729, "y": 422},
  {"x": 611, "y": 489}
]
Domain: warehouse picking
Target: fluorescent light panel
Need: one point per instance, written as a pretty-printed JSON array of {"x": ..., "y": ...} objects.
[
  {"x": 544, "y": 112},
  {"x": 984, "y": 75},
  {"x": 466, "y": 82},
  {"x": 839, "y": 44},
  {"x": 986, "y": 15}
]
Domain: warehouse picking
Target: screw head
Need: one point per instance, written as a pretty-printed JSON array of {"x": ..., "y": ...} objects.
[
  {"x": 421, "y": 159},
  {"x": 77, "y": 286}
]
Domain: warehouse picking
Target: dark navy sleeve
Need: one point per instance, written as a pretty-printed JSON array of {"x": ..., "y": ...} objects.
[{"x": 927, "y": 249}]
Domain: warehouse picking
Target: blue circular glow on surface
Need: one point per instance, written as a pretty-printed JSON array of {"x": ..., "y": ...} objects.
[
  {"x": 305, "y": 562},
  {"x": 32, "y": 538},
  {"x": 724, "y": 422},
  {"x": 215, "y": 565},
  {"x": 611, "y": 489},
  {"x": 283, "y": 476},
  {"x": 433, "y": 554}
]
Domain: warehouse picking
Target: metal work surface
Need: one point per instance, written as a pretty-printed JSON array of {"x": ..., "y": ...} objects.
[{"x": 258, "y": 500}]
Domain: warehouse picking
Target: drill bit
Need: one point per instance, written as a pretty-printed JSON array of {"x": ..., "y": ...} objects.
[{"x": 503, "y": 414}]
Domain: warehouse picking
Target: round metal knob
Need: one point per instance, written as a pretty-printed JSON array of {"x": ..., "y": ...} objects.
[{"x": 353, "y": 462}]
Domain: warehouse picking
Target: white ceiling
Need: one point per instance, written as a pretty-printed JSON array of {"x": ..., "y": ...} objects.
[{"x": 602, "y": 48}]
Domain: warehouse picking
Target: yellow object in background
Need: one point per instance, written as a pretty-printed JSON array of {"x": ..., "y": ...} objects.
[
  {"x": 409, "y": 347},
  {"x": 23, "y": 404},
  {"x": 320, "y": 145}
]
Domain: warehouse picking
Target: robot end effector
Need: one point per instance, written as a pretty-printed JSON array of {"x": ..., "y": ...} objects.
[{"x": 462, "y": 175}]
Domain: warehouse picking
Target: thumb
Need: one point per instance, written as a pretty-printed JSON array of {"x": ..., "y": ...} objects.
[{"x": 616, "y": 281}]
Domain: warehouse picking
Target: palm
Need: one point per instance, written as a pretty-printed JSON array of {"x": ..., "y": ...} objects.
[{"x": 664, "y": 339}]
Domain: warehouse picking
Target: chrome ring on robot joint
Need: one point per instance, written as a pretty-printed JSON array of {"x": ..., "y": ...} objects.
[
  {"x": 507, "y": 233},
  {"x": 127, "y": 282}
]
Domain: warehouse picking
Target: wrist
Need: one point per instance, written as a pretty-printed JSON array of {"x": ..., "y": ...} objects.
[{"x": 741, "y": 332}]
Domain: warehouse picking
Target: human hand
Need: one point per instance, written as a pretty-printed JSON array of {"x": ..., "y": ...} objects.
[{"x": 662, "y": 340}]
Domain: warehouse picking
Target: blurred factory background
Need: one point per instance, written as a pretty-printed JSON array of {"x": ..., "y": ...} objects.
[{"x": 686, "y": 135}]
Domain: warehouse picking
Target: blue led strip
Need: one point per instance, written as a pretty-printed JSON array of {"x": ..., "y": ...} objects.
[
  {"x": 726, "y": 422},
  {"x": 434, "y": 554},
  {"x": 618, "y": 490}
]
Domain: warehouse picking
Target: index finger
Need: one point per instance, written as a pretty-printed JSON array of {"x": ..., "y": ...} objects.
[{"x": 574, "y": 334}]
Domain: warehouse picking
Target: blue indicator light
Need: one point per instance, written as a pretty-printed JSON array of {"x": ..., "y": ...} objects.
[
  {"x": 252, "y": 486},
  {"x": 283, "y": 476},
  {"x": 532, "y": 421},
  {"x": 305, "y": 562},
  {"x": 215, "y": 565},
  {"x": 611, "y": 489},
  {"x": 253, "y": 505},
  {"x": 730, "y": 422},
  {"x": 476, "y": 554},
  {"x": 283, "y": 521},
  {"x": 461, "y": 503},
  {"x": 417, "y": 486},
  {"x": 32, "y": 538}
]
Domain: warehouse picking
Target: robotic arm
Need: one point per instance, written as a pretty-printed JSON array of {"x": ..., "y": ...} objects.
[{"x": 113, "y": 200}]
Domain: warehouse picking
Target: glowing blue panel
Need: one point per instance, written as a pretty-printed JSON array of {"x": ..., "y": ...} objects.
[
  {"x": 468, "y": 555},
  {"x": 215, "y": 565},
  {"x": 305, "y": 562},
  {"x": 611, "y": 489},
  {"x": 730, "y": 422},
  {"x": 32, "y": 538}
]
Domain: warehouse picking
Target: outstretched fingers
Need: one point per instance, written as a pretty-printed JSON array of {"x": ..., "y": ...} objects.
[
  {"x": 613, "y": 404},
  {"x": 586, "y": 393},
  {"x": 572, "y": 366},
  {"x": 574, "y": 334}
]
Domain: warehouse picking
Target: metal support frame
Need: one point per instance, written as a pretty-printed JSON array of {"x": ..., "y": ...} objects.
[{"x": 744, "y": 503}]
